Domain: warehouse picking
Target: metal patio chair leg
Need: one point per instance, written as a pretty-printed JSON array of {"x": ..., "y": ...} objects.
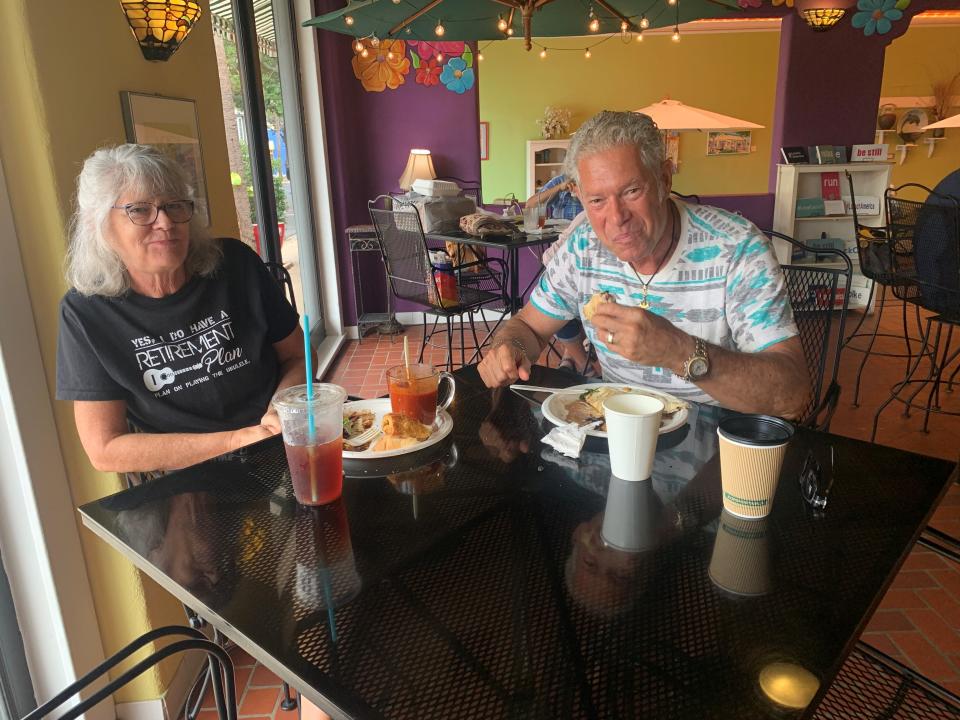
[
  {"x": 866, "y": 353},
  {"x": 894, "y": 395},
  {"x": 289, "y": 702}
]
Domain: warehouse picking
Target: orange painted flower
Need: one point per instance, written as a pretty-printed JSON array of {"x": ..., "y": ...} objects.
[
  {"x": 789, "y": 3},
  {"x": 384, "y": 67}
]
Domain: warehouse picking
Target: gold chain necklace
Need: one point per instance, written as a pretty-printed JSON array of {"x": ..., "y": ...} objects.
[{"x": 674, "y": 236}]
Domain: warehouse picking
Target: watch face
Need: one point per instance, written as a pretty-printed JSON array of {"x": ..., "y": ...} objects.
[{"x": 698, "y": 367}]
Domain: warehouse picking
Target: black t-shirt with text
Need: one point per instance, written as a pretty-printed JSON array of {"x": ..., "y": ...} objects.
[{"x": 200, "y": 360}]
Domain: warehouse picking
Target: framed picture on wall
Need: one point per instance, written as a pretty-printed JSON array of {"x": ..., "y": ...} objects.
[
  {"x": 728, "y": 142},
  {"x": 170, "y": 124},
  {"x": 484, "y": 141}
]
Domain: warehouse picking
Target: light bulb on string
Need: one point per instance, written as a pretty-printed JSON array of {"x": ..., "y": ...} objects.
[
  {"x": 587, "y": 54},
  {"x": 439, "y": 57},
  {"x": 543, "y": 54},
  {"x": 396, "y": 2},
  {"x": 640, "y": 36},
  {"x": 358, "y": 46},
  {"x": 644, "y": 23},
  {"x": 676, "y": 34},
  {"x": 671, "y": 2},
  {"x": 624, "y": 26},
  {"x": 439, "y": 30},
  {"x": 364, "y": 53},
  {"x": 501, "y": 24},
  {"x": 374, "y": 40},
  {"x": 390, "y": 55},
  {"x": 510, "y": 31},
  {"x": 348, "y": 19},
  {"x": 479, "y": 57},
  {"x": 593, "y": 23}
]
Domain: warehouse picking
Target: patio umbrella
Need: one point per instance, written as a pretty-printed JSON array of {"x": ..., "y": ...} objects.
[
  {"x": 440, "y": 20},
  {"x": 952, "y": 121},
  {"x": 674, "y": 115}
]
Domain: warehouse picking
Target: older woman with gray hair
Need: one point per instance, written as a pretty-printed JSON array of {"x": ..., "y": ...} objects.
[
  {"x": 681, "y": 297},
  {"x": 171, "y": 343}
]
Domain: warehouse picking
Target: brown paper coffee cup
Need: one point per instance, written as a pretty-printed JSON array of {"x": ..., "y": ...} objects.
[
  {"x": 741, "y": 559},
  {"x": 752, "y": 448}
]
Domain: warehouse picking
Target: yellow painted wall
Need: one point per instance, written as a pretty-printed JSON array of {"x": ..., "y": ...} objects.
[
  {"x": 922, "y": 56},
  {"x": 731, "y": 73},
  {"x": 63, "y": 65}
]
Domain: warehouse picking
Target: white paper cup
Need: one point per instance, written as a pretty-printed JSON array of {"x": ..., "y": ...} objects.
[{"x": 633, "y": 426}]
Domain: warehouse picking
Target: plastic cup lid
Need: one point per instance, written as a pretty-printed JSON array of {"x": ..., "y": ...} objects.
[
  {"x": 760, "y": 430},
  {"x": 323, "y": 394}
]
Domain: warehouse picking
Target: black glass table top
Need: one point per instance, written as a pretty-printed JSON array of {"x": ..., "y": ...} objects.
[
  {"x": 472, "y": 581},
  {"x": 519, "y": 239}
]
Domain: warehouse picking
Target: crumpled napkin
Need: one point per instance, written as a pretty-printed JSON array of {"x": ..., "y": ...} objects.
[{"x": 568, "y": 439}]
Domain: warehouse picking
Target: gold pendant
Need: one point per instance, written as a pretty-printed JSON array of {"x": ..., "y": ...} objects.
[{"x": 644, "y": 305}]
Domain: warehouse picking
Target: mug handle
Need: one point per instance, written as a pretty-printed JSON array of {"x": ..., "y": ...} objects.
[{"x": 444, "y": 375}]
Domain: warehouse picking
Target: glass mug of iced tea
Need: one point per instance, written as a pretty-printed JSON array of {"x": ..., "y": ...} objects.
[
  {"x": 414, "y": 389},
  {"x": 313, "y": 439}
]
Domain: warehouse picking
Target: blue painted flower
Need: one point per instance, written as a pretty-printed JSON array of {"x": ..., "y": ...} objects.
[
  {"x": 876, "y": 16},
  {"x": 456, "y": 76}
]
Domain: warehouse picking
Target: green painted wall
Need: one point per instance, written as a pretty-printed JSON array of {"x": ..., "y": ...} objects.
[{"x": 730, "y": 73}]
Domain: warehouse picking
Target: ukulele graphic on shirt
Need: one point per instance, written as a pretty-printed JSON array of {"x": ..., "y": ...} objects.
[{"x": 156, "y": 379}]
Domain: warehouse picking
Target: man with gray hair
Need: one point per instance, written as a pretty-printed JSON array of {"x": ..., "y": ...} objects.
[{"x": 690, "y": 298}]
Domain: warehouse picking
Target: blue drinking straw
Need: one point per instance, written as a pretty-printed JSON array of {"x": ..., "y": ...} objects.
[{"x": 308, "y": 357}]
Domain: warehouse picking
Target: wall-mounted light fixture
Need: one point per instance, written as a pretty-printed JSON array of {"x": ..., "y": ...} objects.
[
  {"x": 821, "y": 15},
  {"x": 160, "y": 26}
]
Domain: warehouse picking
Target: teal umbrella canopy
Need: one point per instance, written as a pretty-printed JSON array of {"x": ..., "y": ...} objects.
[{"x": 481, "y": 19}]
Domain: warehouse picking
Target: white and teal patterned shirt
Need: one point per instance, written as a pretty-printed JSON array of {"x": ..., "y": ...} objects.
[{"x": 722, "y": 284}]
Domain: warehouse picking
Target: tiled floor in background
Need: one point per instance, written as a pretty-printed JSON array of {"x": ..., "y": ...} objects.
[{"x": 918, "y": 622}]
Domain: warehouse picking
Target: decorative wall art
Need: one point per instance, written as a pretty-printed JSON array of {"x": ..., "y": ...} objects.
[
  {"x": 170, "y": 124},
  {"x": 484, "y": 141},
  {"x": 387, "y": 64},
  {"x": 728, "y": 142}
]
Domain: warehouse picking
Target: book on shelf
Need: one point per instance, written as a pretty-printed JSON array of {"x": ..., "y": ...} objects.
[
  {"x": 809, "y": 207},
  {"x": 834, "y": 207},
  {"x": 866, "y": 205},
  {"x": 830, "y": 185},
  {"x": 839, "y": 154},
  {"x": 794, "y": 155},
  {"x": 825, "y": 154}
]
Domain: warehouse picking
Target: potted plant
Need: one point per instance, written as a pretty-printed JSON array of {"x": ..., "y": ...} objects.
[
  {"x": 942, "y": 92},
  {"x": 555, "y": 122}
]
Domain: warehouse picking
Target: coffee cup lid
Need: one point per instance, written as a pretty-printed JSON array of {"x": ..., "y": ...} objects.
[{"x": 759, "y": 430}]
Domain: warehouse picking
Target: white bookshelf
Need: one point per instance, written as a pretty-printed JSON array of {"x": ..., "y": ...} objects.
[
  {"x": 870, "y": 180},
  {"x": 544, "y": 161}
]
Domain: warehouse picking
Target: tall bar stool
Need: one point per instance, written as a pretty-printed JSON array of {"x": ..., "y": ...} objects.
[{"x": 888, "y": 265}]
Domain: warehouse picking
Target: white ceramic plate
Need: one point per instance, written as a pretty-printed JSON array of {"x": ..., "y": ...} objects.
[
  {"x": 380, "y": 407},
  {"x": 555, "y": 407}
]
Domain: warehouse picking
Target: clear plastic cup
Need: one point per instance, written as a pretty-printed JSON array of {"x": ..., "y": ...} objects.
[{"x": 314, "y": 449}]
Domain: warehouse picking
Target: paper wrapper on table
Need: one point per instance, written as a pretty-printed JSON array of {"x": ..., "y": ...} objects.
[
  {"x": 749, "y": 476},
  {"x": 568, "y": 439},
  {"x": 439, "y": 214},
  {"x": 741, "y": 557}
]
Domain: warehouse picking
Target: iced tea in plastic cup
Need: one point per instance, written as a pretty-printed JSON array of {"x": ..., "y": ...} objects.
[{"x": 314, "y": 447}]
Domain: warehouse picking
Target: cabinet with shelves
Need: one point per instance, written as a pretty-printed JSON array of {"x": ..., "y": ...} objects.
[
  {"x": 544, "y": 161},
  {"x": 870, "y": 180}
]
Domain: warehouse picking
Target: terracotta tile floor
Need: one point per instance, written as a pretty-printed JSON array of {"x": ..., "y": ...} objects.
[{"x": 919, "y": 619}]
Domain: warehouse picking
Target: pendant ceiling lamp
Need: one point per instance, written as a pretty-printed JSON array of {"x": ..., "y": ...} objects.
[{"x": 160, "y": 26}]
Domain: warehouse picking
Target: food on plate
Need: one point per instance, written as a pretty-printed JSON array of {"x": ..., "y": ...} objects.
[
  {"x": 588, "y": 407},
  {"x": 400, "y": 432},
  {"x": 402, "y": 426},
  {"x": 354, "y": 423}
]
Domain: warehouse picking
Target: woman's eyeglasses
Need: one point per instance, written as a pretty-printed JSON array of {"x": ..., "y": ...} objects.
[
  {"x": 145, "y": 213},
  {"x": 814, "y": 488}
]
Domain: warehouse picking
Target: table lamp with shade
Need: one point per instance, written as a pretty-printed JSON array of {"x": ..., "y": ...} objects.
[{"x": 419, "y": 167}]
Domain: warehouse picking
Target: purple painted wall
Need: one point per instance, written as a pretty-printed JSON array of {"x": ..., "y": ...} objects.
[{"x": 369, "y": 136}]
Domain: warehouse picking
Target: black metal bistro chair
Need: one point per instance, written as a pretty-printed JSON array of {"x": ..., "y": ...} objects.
[
  {"x": 932, "y": 230},
  {"x": 220, "y": 670},
  {"x": 819, "y": 294},
  {"x": 414, "y": 277},
  {"x": 889, "y": 264},
  {"x": 282, "y": 276}
]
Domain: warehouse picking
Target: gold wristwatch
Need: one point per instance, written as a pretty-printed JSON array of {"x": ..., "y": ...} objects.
[{"x": 697, "y": 366}]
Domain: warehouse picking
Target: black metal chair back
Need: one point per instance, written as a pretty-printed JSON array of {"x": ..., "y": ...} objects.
[
  {"x": 873, "y": 251},
  {"x": 813, "y": 290},
  {"x": 925, "y": 236},
  {"x": 470, "y": 188},
  {"x": 282, "y": 276},
  {"x": 403, "y": 246}
]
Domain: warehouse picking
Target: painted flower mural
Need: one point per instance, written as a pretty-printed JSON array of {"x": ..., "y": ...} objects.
[
  {"x": 788, "y": 3},
  {"x": 384, "y": 67},
  {"x": 429, "y": 48},
  {"x": 429, "y": 72},
  {"x": 877, "y": 16},
  {"x": 457, "y": 76}
]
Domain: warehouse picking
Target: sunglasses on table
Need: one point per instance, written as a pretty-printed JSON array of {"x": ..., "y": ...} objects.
[
  {"x": 145, "y": 213},
  {"x": 814, "y": 487}
]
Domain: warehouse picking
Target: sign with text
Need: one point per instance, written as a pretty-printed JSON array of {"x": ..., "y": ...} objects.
[{"x": 868, "y": 153}]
